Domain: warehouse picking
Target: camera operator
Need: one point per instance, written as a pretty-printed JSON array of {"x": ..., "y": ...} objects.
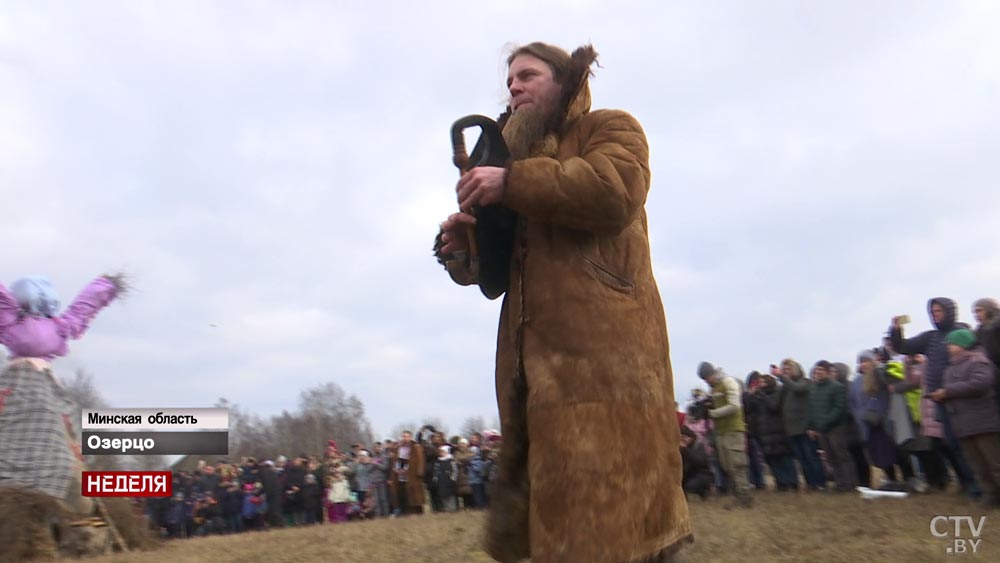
[{"x": 730, "y": 431}]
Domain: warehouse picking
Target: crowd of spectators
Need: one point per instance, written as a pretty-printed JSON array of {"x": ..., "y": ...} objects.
[{"x": 389, "y": 479}]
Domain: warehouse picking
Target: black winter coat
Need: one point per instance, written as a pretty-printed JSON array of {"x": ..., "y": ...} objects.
[{"x": 766, "y": 421}]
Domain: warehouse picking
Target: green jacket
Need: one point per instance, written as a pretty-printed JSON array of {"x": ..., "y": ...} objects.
[
  {"x": 727, "y": 403},
  {"x": 827, "y": 405}
]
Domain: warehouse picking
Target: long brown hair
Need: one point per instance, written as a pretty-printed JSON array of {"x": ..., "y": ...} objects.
[{"x": 557, "y": 59}]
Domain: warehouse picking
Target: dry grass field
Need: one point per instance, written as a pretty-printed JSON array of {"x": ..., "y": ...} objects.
[{"x": 812, "y": 527}]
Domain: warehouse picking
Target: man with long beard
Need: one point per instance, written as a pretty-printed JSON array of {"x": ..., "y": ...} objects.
[{"x": 590, "y": 468}]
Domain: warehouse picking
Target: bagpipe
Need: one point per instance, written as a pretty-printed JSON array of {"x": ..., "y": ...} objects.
[{"x": 491, "y": 239}]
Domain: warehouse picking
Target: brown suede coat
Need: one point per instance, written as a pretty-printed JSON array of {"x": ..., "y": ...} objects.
[
  {"x": 415, "y": 477},
  {"x": 590, "y": 468}
]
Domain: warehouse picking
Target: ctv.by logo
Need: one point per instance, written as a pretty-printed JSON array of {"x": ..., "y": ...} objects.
[{"x": 941, "y": 526}]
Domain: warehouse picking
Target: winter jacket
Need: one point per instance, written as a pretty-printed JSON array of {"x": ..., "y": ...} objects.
[
  {"x": 339, "y": 492},
  {"x": 312, "y": 496},
  {"x": 765, "y": 417},
  {"x": 931, "y": 343},
  {"x": 444, "y": 477},
  {"x": 582, "y": 343},
  {"x": 362, "y": 475},
  {"x": 462, "y": 461},
  {"x": 727, "y": 403},
  {"x": 379, "y": 471},
  {"x": 795, "y": 401},
  {"x": 869, "y": 410},
  {"x": 475, "y": 471},
  {"x": 827, "y": 405},
  {"x": 988, "y": 336},
  {"x": 969, "y": 384},
  {"x": 695, "y": 462}
]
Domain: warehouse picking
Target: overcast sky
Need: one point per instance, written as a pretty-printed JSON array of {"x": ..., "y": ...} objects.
[{"x": 279, "y": 169}]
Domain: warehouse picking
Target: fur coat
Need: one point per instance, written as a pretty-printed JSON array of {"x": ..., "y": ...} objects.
[{"x": 590, "y": 468}]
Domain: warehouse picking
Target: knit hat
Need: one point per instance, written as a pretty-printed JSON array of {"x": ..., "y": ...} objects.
[
  {"x": 705, "y": 370},
  {"x": 962, "y": 337}
]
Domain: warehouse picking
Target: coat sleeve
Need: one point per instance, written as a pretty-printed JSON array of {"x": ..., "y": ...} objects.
[
  {"x": 812, "y": 417},
  {"x": 9, "y": 311},
  {"x": 989, "y": 337},
  {"x": 456, "y": 264},
  {"x": 97, "y": 295},
  {"x": 905, "y": 387},
  {"x": 772, "y": 402},
  {"x": 600, "y": 191},
  {"x": 799, "y": 386},
  {"x": 417, "y": 461},
  {"x": 979, "y": 382},
  {"x": 840, "y": 409},
  {"x": 909, "y": 346}
]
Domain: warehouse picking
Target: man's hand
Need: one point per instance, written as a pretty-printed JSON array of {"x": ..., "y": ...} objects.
[
  {"x": 939, "y": 395},
  {"x": 896, "y": 324},
  {"x": 483, "y": 185},
  {"x": 455, "y": 234}
]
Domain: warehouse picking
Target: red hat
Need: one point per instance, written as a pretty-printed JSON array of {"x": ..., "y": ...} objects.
[{"x": 331, "y": 443}]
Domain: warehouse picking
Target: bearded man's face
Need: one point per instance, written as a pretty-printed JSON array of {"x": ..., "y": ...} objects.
[{"x": 534, "y": 102}]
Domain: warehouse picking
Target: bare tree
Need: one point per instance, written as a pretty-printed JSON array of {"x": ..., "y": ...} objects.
[
  {"x": 472, "y": 425},
  {"x": 437, "y": 423},
  {"x": 83, "y": 391},
  {"x": 398, "y": 430},
  {"x": 153, "y": 462},
  {"x": 325, "y": 412}
]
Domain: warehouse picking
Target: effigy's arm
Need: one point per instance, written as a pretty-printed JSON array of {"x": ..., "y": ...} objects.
[
  {"x": 9, "y": 310},
  {"x": 97, "y": 295}
]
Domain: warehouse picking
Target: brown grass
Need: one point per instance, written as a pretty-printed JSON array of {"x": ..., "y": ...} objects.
[
  {"x": 781, "y": 527},
  {"x": 130, "y": 524},
  {"x": 30, "y": 520},
  {"x": 25, "y": 518}
]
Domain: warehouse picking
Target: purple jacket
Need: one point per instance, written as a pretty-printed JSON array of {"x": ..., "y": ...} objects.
[
  {"x": 29, "y": 336},
  {"x": 969, "y": 390}
]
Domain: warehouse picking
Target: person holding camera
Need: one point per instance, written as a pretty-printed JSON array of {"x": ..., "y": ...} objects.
[
  {"x": 763, "y": 408},
  {"x": 932, "y": 344},
  {"x": 730, "y": 431}
]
